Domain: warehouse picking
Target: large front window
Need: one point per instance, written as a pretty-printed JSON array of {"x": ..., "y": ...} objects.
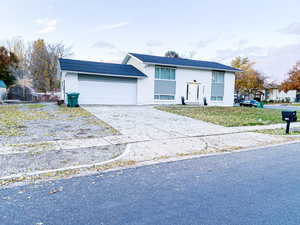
[
  {"x": 217, "y": 86},
  {"x": 164, "y": 83}
]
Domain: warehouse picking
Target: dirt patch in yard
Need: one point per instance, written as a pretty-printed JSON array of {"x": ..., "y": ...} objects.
[
  {"x": 46, "y": 160},
  {"x": 48, "y": 122}
]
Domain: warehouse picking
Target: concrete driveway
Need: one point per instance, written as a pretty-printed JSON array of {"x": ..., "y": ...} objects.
[{"x": 155, "y": 124}]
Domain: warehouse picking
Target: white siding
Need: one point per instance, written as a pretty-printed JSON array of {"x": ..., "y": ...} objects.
[
  {"x": 71, "y": 83},
  {"x": 145, "y": 86},
  {"x": 278, "y": 95},
  {"x": 183, "y": 76}
]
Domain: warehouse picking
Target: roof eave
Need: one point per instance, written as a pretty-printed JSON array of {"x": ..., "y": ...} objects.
[
  {"x": 130, "y": 55},
  {"x": 105, "y": 74},
  {"x": 193, "y": 67}
]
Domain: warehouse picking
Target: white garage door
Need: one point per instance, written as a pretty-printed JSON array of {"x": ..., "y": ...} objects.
[{"x": 107, "y": 90}]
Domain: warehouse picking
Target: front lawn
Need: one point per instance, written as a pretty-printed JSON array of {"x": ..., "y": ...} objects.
[{"x": 228, "y": 116}]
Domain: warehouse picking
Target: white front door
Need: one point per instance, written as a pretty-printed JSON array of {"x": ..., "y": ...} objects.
[{"x": 193, "y": 92}]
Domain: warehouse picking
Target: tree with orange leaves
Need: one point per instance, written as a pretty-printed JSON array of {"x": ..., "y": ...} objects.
[
  {"x": 8, "y": 60},
  {"x": 293, "y": 80},
  {"x": 249, "y": 81}
]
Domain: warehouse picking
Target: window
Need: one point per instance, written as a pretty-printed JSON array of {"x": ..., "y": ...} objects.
[
  {"x": 164, "y": 73},
  {"x": 165, "y": 83},
  {"x": 217, "y": 86},
  {"x": 164, "y": 97}
]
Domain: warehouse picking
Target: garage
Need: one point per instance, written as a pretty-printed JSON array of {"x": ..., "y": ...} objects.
[
  {"x": 99, "y": 83},
  {"x": 107, "y": 90}
]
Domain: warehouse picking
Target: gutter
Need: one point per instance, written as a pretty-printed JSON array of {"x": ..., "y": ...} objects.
[{"x": 104, "y": 74}]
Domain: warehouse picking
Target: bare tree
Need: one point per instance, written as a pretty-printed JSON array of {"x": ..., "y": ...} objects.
[
  {"x": 20, "y": 49},
  {"x": 56, "y": 51}
]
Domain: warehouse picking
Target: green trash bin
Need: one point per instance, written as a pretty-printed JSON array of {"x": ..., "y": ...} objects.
[
  {"x": 260, "y": 105},
  {"x": 72, "y": 99}
]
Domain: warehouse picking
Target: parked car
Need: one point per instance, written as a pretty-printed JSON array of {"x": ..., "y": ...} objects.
[{"x": 249, "y": 103}]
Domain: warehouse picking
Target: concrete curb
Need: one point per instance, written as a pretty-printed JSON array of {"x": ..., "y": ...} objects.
[
  {"x": 140, "y": 163},
  {"x": 179, "y": 158},
  {"x": 86, "y": 166}
]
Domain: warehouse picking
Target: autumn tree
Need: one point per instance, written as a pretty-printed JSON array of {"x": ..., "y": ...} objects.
[
  {"x": 43, "y": 64},
  {"x": 8, "y": 61},
  {"x": 172, "y": 54},
  {"x": 293, "y": 80},
  {"x": 249, "y": 81},
  {"x": 39, "y": 66}
]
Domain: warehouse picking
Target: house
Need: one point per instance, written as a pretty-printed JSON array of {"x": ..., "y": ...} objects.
[
  {"x": 3, "y": 88},
  {"x": 273, "y": 93},
  {"x": 146, "y": 79}
]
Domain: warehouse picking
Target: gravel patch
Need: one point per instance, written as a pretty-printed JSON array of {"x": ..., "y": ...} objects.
[
  {"x": 52, "y": 122},
  {"x": 45, "y": 160}
]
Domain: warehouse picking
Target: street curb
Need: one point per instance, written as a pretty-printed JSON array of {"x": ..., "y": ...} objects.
[
  {"x": 140, "y": 163},
  {"x": 180, "y": 158},
  {"x": 86, "y": 166}
]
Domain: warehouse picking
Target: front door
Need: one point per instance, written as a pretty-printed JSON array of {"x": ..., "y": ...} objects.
[{"x": 193, "y": 92}]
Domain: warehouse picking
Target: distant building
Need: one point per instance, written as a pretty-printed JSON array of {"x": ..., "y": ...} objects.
[
  {"x": 3, "y": 88},
  {"x": 273, "y": 93}
]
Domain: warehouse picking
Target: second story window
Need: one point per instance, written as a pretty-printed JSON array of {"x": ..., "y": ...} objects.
[{"x": 165, "y": 83}]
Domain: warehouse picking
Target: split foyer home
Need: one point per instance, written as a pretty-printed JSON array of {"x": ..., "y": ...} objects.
[{"x": 146, "y": 79}]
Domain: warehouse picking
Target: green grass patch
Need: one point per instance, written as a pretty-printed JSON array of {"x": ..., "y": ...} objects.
[
  {"x": 280, "y": 131},
  {"x": 35, "y": 106},
  {"x": 228, "y": 116}
]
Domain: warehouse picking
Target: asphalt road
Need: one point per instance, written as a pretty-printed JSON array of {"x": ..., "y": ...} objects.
[
  {"x": 283, "y": 107},
  {"x": 248, "y": 188}
]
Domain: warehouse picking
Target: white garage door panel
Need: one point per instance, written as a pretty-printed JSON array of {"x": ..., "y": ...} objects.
[{"x": 107, "y": 90}]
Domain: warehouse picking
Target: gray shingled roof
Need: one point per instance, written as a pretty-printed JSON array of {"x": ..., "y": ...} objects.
[
  {"x": 100, "y": 68},
  {"x": 180, "y": 62}
]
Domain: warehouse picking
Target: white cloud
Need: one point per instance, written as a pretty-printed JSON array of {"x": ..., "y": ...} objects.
[
  {"x": 274, "y": 62},
  {"x": 202, "y": 43},
  {"x": 293, "y": 28},
  {"x": 103, "y": 44},
  {"x": 46, "y": 25},
  {"x": 154, "y": 43},
  {"x": 110, "y": 26}
]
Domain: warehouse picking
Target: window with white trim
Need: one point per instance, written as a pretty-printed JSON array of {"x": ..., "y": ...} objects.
[
  {"x": 164, "y": 83},
  {"x": 217, "y": 86}
]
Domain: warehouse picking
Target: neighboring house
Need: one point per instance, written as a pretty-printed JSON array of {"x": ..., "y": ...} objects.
[
  {"x": 145, "y": 79},
  {"x": 3, "y": 88},
  {"x": 274, "y": 94}
]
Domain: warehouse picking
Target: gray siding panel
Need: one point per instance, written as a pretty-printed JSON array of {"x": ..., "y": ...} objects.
[{"x": 165, "y": 87}]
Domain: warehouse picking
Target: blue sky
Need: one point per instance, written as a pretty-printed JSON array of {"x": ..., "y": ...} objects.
[{"x": 267, "y": 31}]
